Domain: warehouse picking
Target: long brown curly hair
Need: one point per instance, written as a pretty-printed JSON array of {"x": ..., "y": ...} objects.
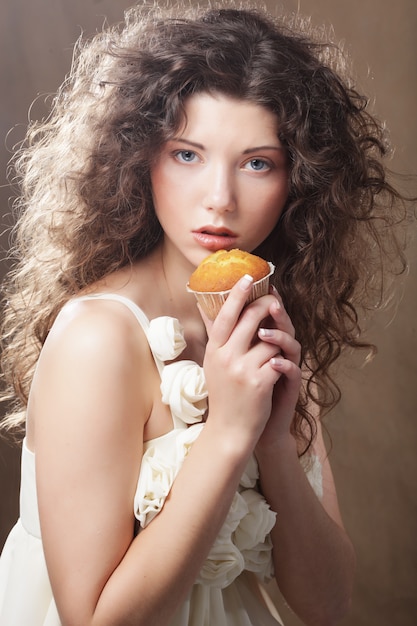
[{"x": 85, "y": 207}]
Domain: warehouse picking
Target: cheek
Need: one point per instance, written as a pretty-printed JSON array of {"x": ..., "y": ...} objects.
[
  {"x": 167, "y": 183},
  {"x": 161, "y": 188},
  {"x": 274, "y": 202},
  {"x": 267, "y": 213}
]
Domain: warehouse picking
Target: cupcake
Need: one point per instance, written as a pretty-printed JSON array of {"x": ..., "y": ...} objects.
[{"x": 213, "y": 279}]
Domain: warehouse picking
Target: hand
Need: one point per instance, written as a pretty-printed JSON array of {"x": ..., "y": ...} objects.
[
  {"x": 287, "y": 364},
  {"x": 239, "y": 367}
]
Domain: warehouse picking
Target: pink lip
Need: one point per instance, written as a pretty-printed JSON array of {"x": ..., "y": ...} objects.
[{"x": 214, "y": 238}]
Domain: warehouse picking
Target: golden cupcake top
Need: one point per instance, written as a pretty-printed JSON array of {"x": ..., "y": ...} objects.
[{"x": 222, "y": 269}]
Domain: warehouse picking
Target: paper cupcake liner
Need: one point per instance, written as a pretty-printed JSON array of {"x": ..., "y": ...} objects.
[{"x": 212, "y": 301}]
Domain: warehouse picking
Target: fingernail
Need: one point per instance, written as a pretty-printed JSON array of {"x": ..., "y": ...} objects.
[
  {"x": 265, "y": 332},
  {"x": 246, "y": 282}
]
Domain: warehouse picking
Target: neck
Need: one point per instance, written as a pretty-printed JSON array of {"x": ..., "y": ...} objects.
[
  {"x": 174, "y": 277},
  {"x": 163, "y": 277},
  {"x": 182, "y": 304}
]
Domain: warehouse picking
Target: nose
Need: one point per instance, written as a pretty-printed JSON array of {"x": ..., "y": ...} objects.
[{"x": 220, "y": 189}]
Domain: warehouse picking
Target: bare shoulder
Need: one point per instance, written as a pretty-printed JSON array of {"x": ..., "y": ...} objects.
[
  {"x": 96, "y": 361},
  {"x": 94, "y": 323},
  {"x": 103, "y": 333}
]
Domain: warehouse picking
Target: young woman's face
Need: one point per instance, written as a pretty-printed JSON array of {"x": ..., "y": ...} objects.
[{"x": 222, "y": 182}]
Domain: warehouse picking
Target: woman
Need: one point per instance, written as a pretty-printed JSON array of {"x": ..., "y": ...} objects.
[{"x": 173, "y": 137}]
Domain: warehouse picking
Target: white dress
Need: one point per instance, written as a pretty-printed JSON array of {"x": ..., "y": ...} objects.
[{"x": 228, "y": 590}]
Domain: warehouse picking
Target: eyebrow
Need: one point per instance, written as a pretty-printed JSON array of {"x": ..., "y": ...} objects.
[
  {"x": 256, "y": 148},
  {"x": 247, "y": 151}
]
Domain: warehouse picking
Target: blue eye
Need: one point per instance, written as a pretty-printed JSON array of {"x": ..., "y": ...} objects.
[
  {"x": 185, "y": 156},
  {"x": 258, "y": 165}
]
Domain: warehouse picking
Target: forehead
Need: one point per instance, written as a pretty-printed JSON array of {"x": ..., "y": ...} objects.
[{"x": 223, "y": 115}]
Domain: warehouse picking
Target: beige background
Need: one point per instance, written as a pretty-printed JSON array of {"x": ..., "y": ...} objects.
[{"x": 374, "y": 428}]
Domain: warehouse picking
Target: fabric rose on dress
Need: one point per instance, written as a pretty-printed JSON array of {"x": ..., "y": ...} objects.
[
  {"x": 155, "y": 481},
  {"x": 185, "y": 439},
  {"x": 251, "y": 473},
  {"x": 223, "y": 565},
  {"x": 259, "y": 560},
  {"x": 166, "y": 337},
  {"x": 159, "y": 469},
  {"x": 225, "y": 562},
  {"x": 242, "y": 543},
  {"x": 257, "y": 523},
  {"x": 238, "y": 510},
  {"x": 252, "y": 534},
  {"x": 183, "y": 387}
]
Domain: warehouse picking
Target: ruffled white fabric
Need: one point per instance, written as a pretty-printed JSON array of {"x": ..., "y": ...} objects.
[
  {"x": 161, "y": 462},
  {"x": 243, "y": 542},
  {"x": 166, "y": 337},
  {"x": 225, "y": 593},
  {"x": 183, "y": 387},
  {"x": 25, "y": 593}
]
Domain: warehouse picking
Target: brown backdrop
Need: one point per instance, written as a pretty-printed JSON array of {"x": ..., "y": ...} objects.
[{"x": 373, "y": 430}]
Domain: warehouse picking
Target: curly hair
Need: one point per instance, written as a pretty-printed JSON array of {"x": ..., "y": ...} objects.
[{"x": 85, "y": 207}]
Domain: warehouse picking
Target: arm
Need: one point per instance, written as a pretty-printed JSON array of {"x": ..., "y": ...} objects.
[
  {"x": 313, "y": 556},
  {"x": 90, "y": 414}
]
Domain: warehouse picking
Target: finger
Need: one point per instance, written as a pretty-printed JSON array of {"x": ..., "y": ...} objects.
[
  {"x": 287, "y": 389},
  {"x": 279, "y": 313},
  {"x": 286, "y": 343},
  {"x": 254, "y": 315},
  {"x": 274, "y": 291},
  {"x": 261, "y": 353},
  {"x": 230, "y": 312},
  {"x": 291, "y": 377}
]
